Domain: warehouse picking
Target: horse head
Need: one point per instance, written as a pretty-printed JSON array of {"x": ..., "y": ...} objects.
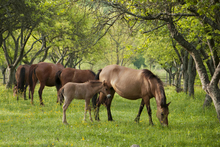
[
  {"x": 162, "y": 114},
  {"x": 106, "y": 89}
]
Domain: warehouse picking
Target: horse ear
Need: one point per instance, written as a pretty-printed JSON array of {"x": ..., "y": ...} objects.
[
  {"x": 103, "y": 82},
  {"x": 168, "y": 104}
]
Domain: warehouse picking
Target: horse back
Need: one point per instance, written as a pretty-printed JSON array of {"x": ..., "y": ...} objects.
[
  {"x": 75, "y": 90},
  {"x": 76, "y": 75}
]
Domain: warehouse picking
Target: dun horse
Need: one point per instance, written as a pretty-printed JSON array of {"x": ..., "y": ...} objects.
[
  {"x": 134, "y": 84},
  {"x": 22, "y": 79},
  {"x": 85, "y": 91},
  {"x": 45, "y": 73},
  {"x": 73, "y": 75}
]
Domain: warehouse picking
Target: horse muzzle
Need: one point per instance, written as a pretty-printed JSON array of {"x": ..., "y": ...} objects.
[{"x": 109, "y": 96}]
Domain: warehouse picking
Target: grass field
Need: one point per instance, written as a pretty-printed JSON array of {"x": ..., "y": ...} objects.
[{"x": 23, "y": 124}]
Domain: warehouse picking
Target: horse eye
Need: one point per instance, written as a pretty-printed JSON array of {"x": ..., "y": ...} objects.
[{"x": 162, "y": 114}]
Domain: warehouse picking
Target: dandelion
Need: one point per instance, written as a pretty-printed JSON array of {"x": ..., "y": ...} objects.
[{"x": 83, "y": 138}]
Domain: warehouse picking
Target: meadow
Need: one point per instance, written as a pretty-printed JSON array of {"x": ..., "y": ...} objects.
[{"x": 23, "y": 124}]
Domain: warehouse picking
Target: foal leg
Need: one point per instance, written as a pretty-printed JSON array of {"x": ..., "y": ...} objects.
[
  {"x": 87, "y": 107},
  {"x": 65, "y": 106},
  {"x": 139, "y": 112}
]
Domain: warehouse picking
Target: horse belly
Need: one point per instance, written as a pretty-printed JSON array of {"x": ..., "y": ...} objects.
[{"x": 128, "y": 91}]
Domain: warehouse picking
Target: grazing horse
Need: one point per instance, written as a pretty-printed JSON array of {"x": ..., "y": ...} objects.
[
  {"x": 72, "y": 75},
  {"x": 133, "y": 84},
  {"x": 45, "y": 73},
  {"x": 85, "y": 91},
  {"x": 22, "y": 79}
]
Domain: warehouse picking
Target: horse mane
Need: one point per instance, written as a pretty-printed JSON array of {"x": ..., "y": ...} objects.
[
  {"x": 149, "y": 75},
  {"x": 94, "y": 82}
]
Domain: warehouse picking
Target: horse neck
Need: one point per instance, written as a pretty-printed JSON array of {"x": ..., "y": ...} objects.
[
  {"x": 95, "y": 86},
  {"x": 160, "y": 95}
]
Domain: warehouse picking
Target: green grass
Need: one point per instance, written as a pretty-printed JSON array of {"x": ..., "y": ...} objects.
[{"x": 23, "y": 124}]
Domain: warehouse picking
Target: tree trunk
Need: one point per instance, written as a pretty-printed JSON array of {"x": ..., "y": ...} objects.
[
  {"x": 11, "y": 76},
  {"x": 192, "y": 75},
  {"x": 208, "y": 101},
  {"x": 3, "y": 74},
  {"x": 185, "y": 73},
  {"x": 178, "y": 80},
  {"x": 211, "y": 87}
]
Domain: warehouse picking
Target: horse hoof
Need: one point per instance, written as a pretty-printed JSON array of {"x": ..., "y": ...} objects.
[
  {"x": 137, "y": 120},
  {"x": 65, "y": 123}
]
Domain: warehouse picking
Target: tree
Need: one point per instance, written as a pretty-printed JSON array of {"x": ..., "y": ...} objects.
[
  {"x": 17, "y": 24},
  {"x": 168, "y": 13}
]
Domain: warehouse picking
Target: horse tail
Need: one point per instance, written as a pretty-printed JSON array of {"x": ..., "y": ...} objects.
[
  {"x": 31, "y": 72},
  {"x": 21, "y": 80},
  {"x": 92, "y": 72},
  {"x": 97, "y": 75},
  {"x": 60, "y": 95},
  {"x": 57, "y": 80},
  {"x": 94, "y": 98}
]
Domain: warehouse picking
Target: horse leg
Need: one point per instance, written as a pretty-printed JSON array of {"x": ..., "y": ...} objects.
[
  {"x": 139, "y": 112},
  {"x": 40, "y": 93},
  {"x": 147, "y": 102},
  {"x": 87, "y": 107},
  {"x": 108, "y": 105},
  {"x": 96, "y": 112},
  {"x": 29, "y": 92},
  {"x": 65, "y": 106},
  {"x": 25, "y": 92},
  {"x": 17, "y": 94}
]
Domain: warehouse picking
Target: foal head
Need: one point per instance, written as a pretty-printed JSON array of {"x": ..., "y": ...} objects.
[{"x": 106, "y": 89}]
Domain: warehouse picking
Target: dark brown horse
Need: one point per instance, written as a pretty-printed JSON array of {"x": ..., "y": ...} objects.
[
  {"x": 73, "y": 75},
  {"x": 84, "y": 91},
  {"x": 134, "y": 84},
  {"x": 22, "y": 79},
  {"x": 45, "y": 73}
]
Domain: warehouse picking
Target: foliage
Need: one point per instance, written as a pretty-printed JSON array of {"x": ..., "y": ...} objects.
[{"x": 25, "y": 125}]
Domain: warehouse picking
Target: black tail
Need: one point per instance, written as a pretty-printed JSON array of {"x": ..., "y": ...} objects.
[
  {"x": 94, "y": 98},
  {"x": 57, "y": 80},
  {"x": 21, "y": 81},
  {"x": 97, "y": 75}
]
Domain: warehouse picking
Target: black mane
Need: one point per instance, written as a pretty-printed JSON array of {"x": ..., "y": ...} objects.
[{"x": 149, "y": 75}]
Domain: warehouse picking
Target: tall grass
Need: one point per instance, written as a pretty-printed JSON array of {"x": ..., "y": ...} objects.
[{"x": 23, "y": 124}]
